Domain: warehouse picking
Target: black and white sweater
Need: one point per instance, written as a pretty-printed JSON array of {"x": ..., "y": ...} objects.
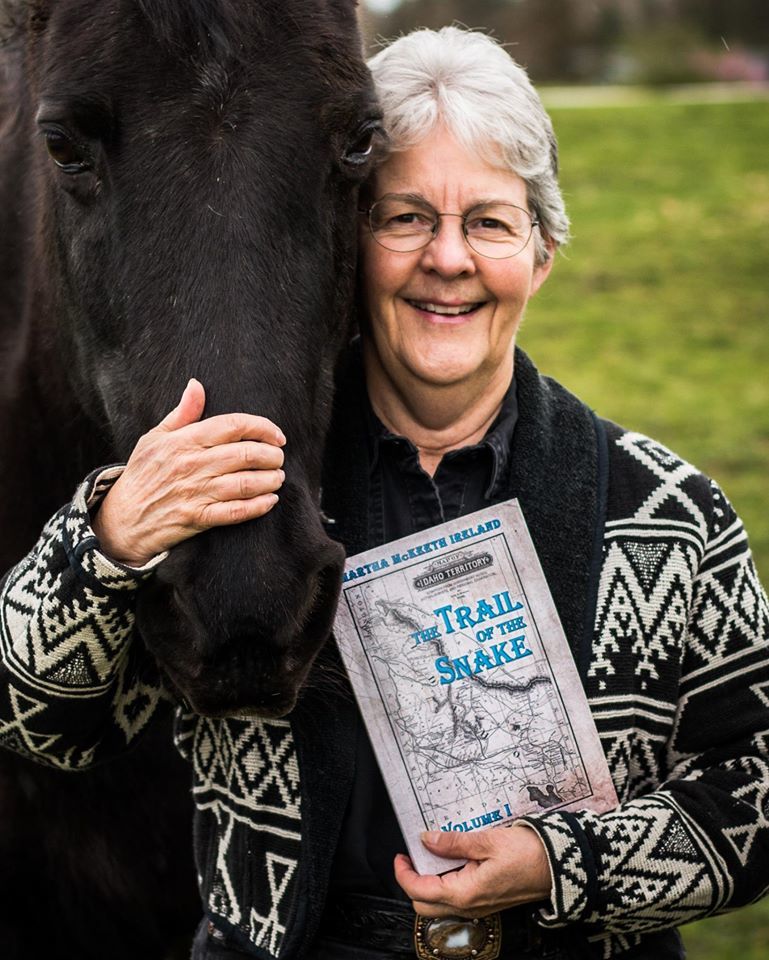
[{"x": 654, "y": 582}]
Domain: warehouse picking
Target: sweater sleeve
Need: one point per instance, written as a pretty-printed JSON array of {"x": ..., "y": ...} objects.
[
  {"x": 694, "y": 839},
  {"x": 74, "y": 687}
]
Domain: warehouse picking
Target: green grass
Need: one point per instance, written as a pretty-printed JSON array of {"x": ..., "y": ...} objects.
[
  {"x": 742, "y": 935},
  {"x": 657, "y": 316}
]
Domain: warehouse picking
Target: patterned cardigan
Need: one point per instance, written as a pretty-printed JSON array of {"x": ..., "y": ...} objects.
[{"x": 654, "y": 582}]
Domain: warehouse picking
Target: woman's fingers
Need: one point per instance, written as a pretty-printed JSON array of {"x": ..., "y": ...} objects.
[
  {"x": 245, "y": 485},
  {"x": 187, "y": 475},
  {"x": 220, "y": 429},
  {"x": 236, "y": 511},
  {"x": 231, "y": 427},
  {"x": 245, "y": 455}
]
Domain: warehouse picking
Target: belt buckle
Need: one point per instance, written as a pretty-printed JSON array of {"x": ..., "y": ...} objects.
[{"x": 457, "y": 938}]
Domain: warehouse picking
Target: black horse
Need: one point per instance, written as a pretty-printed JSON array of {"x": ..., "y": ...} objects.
[{"x": 178, "y": 183}]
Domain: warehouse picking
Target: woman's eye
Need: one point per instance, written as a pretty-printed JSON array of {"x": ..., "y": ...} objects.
[
  {"x": 64, "y": 152},
  {"x": 491, "y": 228},
  {"x": 413, "y": 219},
  {"x": 486, "y": 224}
]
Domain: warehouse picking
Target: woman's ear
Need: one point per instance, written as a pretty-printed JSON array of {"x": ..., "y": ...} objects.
[{"x": 542, "y": 270}]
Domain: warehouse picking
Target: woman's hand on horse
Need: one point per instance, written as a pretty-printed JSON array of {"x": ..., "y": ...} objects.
[
  {"x": 506, "y": 866},
  {"x": 187, "y": 475}
]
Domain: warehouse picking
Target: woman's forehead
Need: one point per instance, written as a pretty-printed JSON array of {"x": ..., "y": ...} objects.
[{"x": 442, "y": 170}]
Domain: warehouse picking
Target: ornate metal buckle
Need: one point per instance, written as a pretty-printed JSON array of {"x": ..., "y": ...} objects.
[{"x": 456, "y": 938}]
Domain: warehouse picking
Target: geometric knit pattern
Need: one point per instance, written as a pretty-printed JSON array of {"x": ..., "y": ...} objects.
[
  {"x": 679, "y": 689},
  {"x": 66, "y": 622},
  {"x": 246, "y": 792},
  {"x": 678, "y": 684},
  {"x": 66, "y": 616}
]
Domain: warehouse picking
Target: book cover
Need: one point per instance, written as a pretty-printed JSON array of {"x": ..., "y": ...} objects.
[{"x": 465, "y": 680}]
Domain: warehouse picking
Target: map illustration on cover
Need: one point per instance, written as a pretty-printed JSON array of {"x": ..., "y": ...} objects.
[{"x": 465, "y": 680}]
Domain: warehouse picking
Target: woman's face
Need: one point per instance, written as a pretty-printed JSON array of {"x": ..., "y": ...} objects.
[{"x": 406, "y": 292}]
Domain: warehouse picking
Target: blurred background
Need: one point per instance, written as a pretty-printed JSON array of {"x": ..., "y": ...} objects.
[
  {"x": 657, "y": 313},
  {"x": 606, "y": 41}
]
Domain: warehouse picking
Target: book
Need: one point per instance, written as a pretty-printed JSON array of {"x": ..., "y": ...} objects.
[{"x": 465, "y": 680}]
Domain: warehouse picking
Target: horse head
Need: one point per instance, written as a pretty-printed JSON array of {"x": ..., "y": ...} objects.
[{"x": 197, "y": 165}]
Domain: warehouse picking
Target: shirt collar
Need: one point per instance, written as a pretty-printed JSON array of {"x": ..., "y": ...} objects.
[{"x": 498, "y": 440}]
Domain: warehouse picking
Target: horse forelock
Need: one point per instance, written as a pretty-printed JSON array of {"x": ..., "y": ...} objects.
[
  {"x": 217, "y": 28},
  {"x": 211, "y": 26},
  {"x": 208, "y": 27}
]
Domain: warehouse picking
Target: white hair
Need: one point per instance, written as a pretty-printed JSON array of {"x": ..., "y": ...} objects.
[{"x": 468, "y": 82}]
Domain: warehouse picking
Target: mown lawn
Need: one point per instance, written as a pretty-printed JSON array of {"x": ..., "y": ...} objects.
[{"x": 658, "y": 315}]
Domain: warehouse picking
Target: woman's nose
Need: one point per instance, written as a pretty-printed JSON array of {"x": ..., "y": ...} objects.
[{"x": 448, "y": 253}]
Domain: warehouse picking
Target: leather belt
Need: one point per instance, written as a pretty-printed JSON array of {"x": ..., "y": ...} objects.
[{"x": 377, "y": 923}]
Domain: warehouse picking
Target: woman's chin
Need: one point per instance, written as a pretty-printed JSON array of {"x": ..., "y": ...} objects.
[
  {"x": 445, "y": 364},
  {"x": 436, "y": 362}
]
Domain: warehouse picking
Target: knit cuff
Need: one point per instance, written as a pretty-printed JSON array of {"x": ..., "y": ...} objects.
[
  {"x": 574, "y": 879},
  {"x": 82, "y": 545}
]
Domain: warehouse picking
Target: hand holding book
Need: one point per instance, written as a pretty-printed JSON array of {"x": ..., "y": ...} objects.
[{"x": 506, "y": 866}]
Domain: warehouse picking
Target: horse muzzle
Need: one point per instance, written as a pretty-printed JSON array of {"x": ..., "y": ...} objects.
[{"x": 234, "y": 630}]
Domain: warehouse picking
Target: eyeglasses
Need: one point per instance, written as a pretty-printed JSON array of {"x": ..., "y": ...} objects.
[{"x": 404, "y": 224}]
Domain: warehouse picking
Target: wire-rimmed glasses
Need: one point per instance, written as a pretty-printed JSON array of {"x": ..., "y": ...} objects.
[{"x": 403, "y": 224}]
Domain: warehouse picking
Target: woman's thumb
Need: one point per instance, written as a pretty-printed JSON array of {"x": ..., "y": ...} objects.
[
  {"x": 455, "y": 845},
  {"x": 188, "y": 410}
]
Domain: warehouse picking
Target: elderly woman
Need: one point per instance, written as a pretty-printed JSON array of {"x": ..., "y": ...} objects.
[{"x": 440, "y": 415}]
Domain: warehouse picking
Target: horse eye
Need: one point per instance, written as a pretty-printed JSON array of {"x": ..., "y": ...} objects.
[
  {"x": 64, "y": 152},
  {"x": 362, "y": 146}
]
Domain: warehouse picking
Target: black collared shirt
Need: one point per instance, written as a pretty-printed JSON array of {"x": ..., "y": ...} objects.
[{"x": 405, "y": 500}]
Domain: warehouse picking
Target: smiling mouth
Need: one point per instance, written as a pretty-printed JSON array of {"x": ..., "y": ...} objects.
[{"x": 445, "y": 311}]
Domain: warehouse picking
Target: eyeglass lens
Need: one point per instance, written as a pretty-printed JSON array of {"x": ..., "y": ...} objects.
[{"x": 496, "y": 230}]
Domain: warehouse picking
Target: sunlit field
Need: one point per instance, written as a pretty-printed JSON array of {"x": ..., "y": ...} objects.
[{"x": 658, "y": 315}]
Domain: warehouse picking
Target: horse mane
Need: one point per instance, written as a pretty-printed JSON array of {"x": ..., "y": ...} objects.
[
  {"x": 209, "y": 29},
  {"x": 212, "y": 27}
]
